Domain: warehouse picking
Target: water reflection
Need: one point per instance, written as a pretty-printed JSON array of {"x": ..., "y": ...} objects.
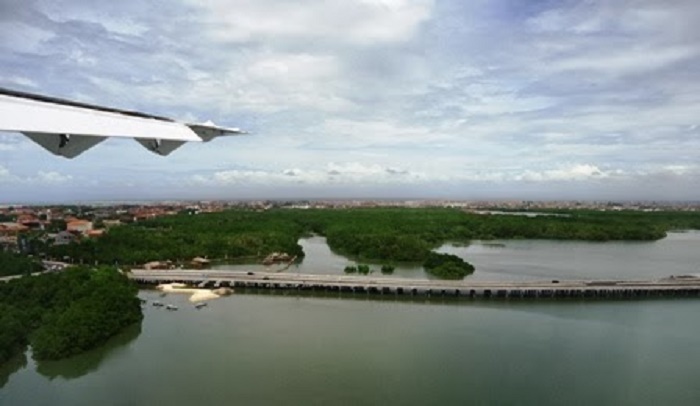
[
  {"x": 274, "y": 349},
  {"x": 526, "y": 259},
  {"x": 319, "y": 259},
  {"x": 81, "y": 364},
  {"x": 12, "y": 365},
  {"x": 575, "y": 260}
]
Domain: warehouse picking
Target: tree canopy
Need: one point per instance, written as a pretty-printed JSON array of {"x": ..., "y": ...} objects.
[
  {"x": 447, "y": 266},
  {"x": 16, "y": 264},
  {"x": 62, "y": 314},
  {"x": 376, "y": 234}
]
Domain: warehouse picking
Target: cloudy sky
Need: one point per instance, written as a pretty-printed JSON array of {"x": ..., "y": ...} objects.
[{"x": 370, "y": 98}]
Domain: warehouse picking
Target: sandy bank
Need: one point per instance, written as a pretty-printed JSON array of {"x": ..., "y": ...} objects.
[{"x": 197, "y": 295}]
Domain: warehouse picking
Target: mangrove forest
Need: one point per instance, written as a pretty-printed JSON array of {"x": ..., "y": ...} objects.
[
  {"x": 63, "y": 314},
  {"x": 385, "y": 235}
]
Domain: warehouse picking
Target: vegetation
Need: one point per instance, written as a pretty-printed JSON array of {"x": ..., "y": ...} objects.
[
  {"x": 62, "y": 314},
  {"x": 370, "y": 234},
  {"x": 13, "y": 331},
  {"x": 447, "y": 266},
  {"x": 387, "y": 269},
  {"x": 16, "y": 264},
  {"x": 229, "y": 235},
  {"x": 363, "y": 269}
]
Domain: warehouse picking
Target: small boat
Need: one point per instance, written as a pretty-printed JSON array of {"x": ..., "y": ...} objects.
[
  {"x": 200, "y": 305},
  {"x": 171, "y": 307},
  {"x": 157, "y": 304}
]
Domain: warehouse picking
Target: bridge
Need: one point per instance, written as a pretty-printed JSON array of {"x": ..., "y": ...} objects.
[{"x": 682, "y": 286}]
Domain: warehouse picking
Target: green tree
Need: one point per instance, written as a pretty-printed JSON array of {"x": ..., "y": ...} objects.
[
  {"x": 447, "y": 266},
  {"x": 387, "y": 269},
  {"x": 65, "y": 313},
  {"x": 16, "y": 264}
]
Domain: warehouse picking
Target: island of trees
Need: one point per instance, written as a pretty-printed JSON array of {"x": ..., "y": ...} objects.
[
  {"x": 447, "y": 266},
  {"x": 383, "y": 235},
  {"x": 63, "y": 314}
]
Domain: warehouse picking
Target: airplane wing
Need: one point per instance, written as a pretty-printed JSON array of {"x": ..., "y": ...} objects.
[{"x": 68, "y": 128}]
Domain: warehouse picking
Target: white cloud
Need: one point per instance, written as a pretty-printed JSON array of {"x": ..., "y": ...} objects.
[
  {"x": 574, "y": 173},
  {"x": 625, "y": 61},
  {"x": 20, "y": 81},
  {"x": 353, "y": 22},
  {"x": 334, "y": 173},
  {"x": 359, "y": 173},
  {"x": 51, "y": 177},
  {"x": 41, "y": 177},
  {"x": 392, "y": 93},
  {"x": 261, "y": 82},
  {"x": 20, "y": 37},
  {"x": 356, "y": 133},
  {"x": 297, "y": 67},
  {"x": 5, "y": 175},
  {"x": 680, "y": 170}
]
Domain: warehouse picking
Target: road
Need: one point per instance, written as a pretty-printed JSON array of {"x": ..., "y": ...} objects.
[{"x": 287, "y": 280}]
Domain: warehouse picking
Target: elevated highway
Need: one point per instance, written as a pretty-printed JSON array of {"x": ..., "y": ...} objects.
[{"x": 685, "y": 286}]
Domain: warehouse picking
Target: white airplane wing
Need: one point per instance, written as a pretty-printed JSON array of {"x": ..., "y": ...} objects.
[{"x": 67, "y": 128}]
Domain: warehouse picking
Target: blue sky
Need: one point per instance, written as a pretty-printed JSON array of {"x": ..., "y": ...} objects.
[{"x": 371, "y": 98}]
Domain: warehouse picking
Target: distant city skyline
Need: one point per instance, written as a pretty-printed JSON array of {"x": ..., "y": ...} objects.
[{"x": 395, "y": 99}]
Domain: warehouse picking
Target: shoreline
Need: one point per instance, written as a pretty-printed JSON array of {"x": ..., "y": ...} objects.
[{"x": 196, "y": 294}]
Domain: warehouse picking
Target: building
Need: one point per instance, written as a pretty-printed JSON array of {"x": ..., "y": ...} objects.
[
  {"x": 111, "y": 223},
  {"x": 12, "y": 229},
  {"x": 64, "y": 237},
  {"x": 79, "y": 226},
  {"x": 95, "y": 233},
  {"x": 30, "y": 221}
]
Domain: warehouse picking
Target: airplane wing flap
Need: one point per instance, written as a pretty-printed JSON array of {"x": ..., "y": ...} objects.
[
  {"x": 160, "y": 147},
  {"x": 65, "y": 145}
]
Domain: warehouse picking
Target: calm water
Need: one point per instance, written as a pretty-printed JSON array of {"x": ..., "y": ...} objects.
[
  {"x": 277, "y": 349},
  {"x": 260, "y": 349},
  {"x": 678, "y": 254}
]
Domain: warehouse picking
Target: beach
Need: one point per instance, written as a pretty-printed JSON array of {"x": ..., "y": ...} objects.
[{"x": 197, "y": 295}]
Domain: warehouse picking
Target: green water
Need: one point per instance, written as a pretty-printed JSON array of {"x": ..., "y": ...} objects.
[
  {"x": 276, "y": 349},
  {"x": 510, "y": 260},
  {"x": 272, "y": 349}
]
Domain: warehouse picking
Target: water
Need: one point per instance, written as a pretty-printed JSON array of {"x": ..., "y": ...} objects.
[
  {"x": 284, "y": 349},
  {"x": 677, "y": 254},
  {"x": 320, "y": 260},
  {"x": 270, "y": 349}
]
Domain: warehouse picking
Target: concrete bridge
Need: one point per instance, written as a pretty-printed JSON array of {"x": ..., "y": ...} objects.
[{"x": 685, "y": 286}]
